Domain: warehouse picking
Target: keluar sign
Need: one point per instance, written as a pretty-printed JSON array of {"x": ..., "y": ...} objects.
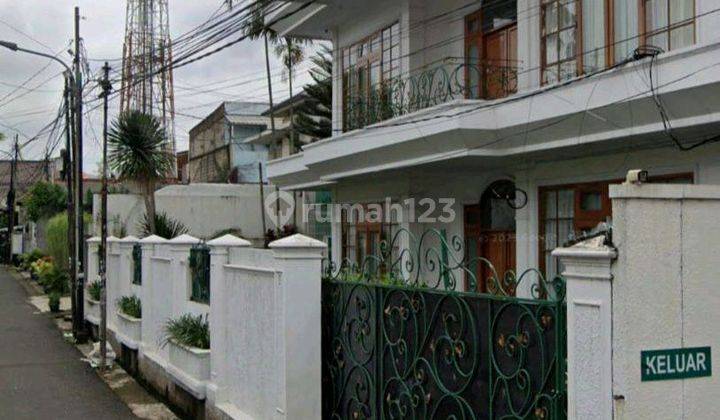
[{"x": 660, "y": 365}]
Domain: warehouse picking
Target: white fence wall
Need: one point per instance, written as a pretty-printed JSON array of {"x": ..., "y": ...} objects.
[
  {"x": 654, "y": 289},
  {"x": 264, "y": 317}
]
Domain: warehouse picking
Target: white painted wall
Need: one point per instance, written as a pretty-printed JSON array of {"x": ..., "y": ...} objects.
[
  {"x": 264, "y": 316},
  {"x": 204, "y": 208},
  {"x": 668, "y": 243}
]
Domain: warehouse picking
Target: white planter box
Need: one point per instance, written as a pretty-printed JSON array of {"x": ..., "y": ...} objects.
[
  {"x": 128, "y": 330},
  {"x": 92, "y": 310},
  {"x": 190, "y": 367}
]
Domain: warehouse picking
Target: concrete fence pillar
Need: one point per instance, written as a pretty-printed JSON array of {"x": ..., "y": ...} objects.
[
  {"x": 149, "y": 325},
  {"x": 588, "y": 276},
  {"x": 219, "y": 257},
  {"x": 179, "y": 271},
  {"x": 299, "y": 258}
]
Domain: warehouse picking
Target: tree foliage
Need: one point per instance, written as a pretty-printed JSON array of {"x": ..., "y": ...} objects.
[
  {"x": 57, "y": 240},
  {"x": 45, "y": 200},
  {"x": 314, "y": 117},
  {"x": 137, "y": 152}
]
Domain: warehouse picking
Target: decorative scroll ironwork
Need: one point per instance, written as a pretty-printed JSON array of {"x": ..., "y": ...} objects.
[
  {"x": 454, "y": 78},
  {"x": 400, "y": 342},
  {"x": 431, "y": 260},
  {"x": 199, "y": 263},
  {"x": 137, "y": 264}
]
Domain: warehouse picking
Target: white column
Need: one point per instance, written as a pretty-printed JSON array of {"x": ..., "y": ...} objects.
[
  {"x": 149, "y": 331},
  {"x": 299, "y": 259},
  {"x": 219, "y": 257},
  {"x": 179, "y": 253},
  {"x": 587, "y": 272}
]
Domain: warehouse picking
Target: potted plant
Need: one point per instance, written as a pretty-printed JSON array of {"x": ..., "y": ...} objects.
[
  {"x": 92, "y": 297},
  {"x": 129, "y": 320},
  {"x": 54, "y": 302},
  {"x": 188, "y": 338}
]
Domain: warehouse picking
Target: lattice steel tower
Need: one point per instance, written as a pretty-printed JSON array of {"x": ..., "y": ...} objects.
[{"x": 147, "y": 78}]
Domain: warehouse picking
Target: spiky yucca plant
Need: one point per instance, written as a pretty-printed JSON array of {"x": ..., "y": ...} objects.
[{"x": 137, "y": 152}]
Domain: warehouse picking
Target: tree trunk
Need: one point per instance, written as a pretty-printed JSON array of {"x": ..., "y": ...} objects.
[{"x": 150, "y": 205}]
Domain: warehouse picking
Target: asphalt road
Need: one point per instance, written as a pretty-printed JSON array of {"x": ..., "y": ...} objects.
[{"x": 42, "y": 376}]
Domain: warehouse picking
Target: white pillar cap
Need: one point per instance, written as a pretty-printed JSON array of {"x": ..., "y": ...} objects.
[{"x": 229, "y": 240}]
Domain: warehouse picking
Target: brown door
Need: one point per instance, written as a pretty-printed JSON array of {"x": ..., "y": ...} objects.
[
  {"x": 500, "y": 58},
  {"x": 490, "y": 234}
]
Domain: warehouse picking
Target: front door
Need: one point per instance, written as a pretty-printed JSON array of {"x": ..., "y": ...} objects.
[{"x": 490, "y": 234}]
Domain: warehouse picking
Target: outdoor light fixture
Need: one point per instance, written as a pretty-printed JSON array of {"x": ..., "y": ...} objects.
[{"x": 636, "y": 176}]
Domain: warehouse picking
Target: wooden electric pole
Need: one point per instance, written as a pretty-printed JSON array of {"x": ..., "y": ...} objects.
[
  {"x": 106, "y": 88},
  {"x": 78, "y": 321},
  {"x": 11, "y": 201}
]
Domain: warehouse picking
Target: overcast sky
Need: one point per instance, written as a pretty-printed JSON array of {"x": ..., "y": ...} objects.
[{"x": 47, "y": 25}]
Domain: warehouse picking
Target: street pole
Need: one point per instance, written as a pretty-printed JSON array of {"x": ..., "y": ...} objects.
[
  {"x": 11, "y": 201},
  {"x": 73, "y": 102},
  {"x": 68, "y": 172},
  {"x": 81, "y": 335},
  {"x": 106, "y": 88},
  {"x": 269, "y": 79}
]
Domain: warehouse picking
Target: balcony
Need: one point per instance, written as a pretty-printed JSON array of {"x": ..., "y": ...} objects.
[{"x": 453, "y": 78}]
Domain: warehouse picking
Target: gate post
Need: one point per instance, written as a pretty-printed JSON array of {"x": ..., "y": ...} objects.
[
  {"x": 299, "y": 259},
  {"x": 587, "y": 272}
]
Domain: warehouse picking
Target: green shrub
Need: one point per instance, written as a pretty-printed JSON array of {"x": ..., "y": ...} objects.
[
  {"x": 94, "y": 290},
  {"x": 130, "y": 306},
  {"x": 188, "y": 330},
  {"x": 55, "y": 280},
  {"x": 28, "y": 258},
  {"x": 56, "y": 235}
]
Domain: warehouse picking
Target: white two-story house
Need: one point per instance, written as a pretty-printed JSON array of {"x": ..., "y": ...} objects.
[{"x": 520, "y": 111}]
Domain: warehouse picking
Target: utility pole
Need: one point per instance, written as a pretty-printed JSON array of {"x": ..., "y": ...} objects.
[
  {"x": 80, "y": 333},
  {"x": 68, "y": 175},
  {"x": 11, "y": 201},
  {"x": 106, "y": 88},
  {"x": 269, "y": 79}
]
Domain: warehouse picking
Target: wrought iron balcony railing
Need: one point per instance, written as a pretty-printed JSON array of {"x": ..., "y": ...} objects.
[{"x": 452, "y": 79}]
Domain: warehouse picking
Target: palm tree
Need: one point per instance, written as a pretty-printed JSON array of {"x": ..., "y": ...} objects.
[
  {"x": 290, "y": 50},
  {"x": 291, "y": 53},
  {"x": 137, "y": 152}
]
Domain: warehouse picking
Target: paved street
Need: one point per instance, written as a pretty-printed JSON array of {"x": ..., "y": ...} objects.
[{"x": 42, "y": 376}]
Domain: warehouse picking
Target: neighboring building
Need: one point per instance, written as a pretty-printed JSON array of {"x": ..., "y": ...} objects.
[
  {"x": 218, "y": 152},
  {"x": 28, "y": 173},
  {"x": 182, "y": 163},
  {"x": 283, "y": 141},
  {"x": 522, "y": 112}
]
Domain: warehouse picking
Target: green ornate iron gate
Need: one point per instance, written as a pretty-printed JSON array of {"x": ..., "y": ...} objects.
[{"x": 400, "y": 343}]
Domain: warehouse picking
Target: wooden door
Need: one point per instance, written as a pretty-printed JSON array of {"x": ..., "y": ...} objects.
[
  {"x": 499, "y": 60},
  {"x": 490, "y": 234}
]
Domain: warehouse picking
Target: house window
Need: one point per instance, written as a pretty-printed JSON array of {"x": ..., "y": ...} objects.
[
  {"x": 594, "y": 35},
  {"x": 365, "y": 65},
  {"x": 199, "y": 263},
  {"x": 559, "y": 34},
  {"x": 669, "y": 24},
  {"x": 363, "y": 235},
  {"x": 569, "y": 211}
]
